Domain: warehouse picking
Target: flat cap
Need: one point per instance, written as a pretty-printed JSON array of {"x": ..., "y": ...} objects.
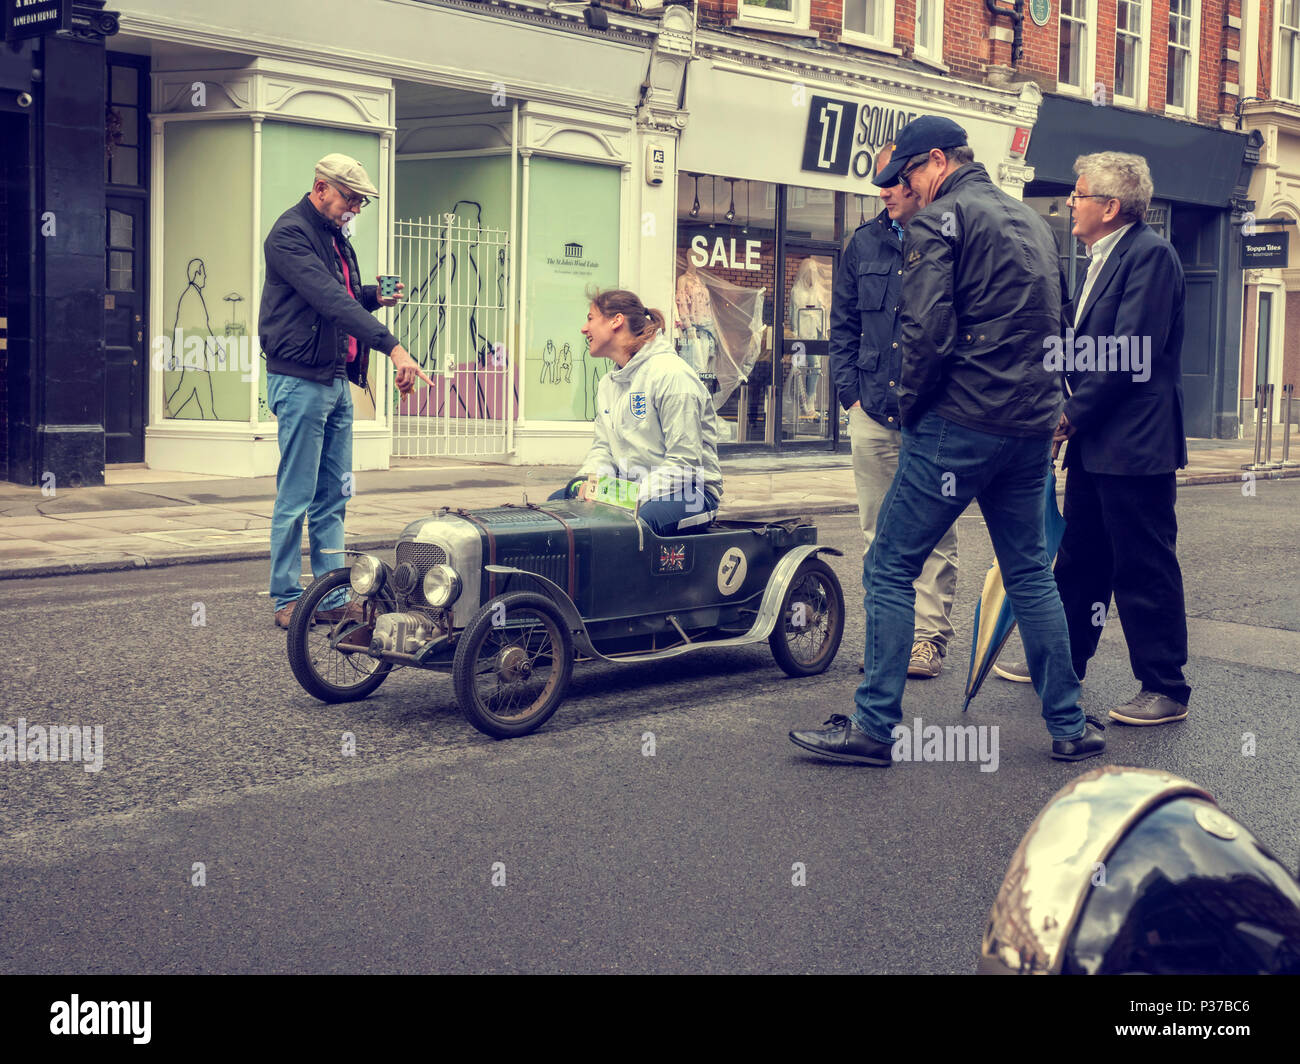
[{"x": 349, "y": 173}]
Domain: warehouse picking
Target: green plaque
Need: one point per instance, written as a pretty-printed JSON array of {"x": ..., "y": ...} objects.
[{"x": 1040, "y": 11}]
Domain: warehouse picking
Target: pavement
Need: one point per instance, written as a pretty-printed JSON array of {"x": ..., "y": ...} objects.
[{"x": 143, "y": 518}]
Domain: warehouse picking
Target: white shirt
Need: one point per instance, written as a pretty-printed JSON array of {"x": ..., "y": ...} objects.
[
  {"x": 655, "y": 424},
  {"x": 1098, "y": 254}
]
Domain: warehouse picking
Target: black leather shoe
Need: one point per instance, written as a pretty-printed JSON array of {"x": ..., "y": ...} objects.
[
  {"x": 845, "y": 741},
  {"x": 1089, "y": 744}
]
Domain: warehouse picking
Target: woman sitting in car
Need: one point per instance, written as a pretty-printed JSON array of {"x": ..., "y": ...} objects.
[{"x": 655, "y": 424}]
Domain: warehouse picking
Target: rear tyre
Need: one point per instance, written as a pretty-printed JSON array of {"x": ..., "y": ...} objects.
[
  {"x": 811, "y": 622},
  {"x": 327, "y": 673},
  {"x": 513, "y": 665}
]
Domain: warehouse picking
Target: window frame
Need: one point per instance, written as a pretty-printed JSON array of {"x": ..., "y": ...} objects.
[
  {"x": 796, "y": 17},
  {"x": 886, "y": 40},
  {"x": 1191, "y": 88},
  {"x": 1276, "y": 79},
  {"x": 1088, "y": 75},
  {"x": 1142, "y": 75},
  {"x": 935, "y": 55}
]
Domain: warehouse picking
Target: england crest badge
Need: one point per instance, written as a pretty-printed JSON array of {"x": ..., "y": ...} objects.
[{"x": 637, "y": 403}]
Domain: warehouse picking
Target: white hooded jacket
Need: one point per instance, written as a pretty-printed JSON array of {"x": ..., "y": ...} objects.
[{"x": 655, "y": 425}]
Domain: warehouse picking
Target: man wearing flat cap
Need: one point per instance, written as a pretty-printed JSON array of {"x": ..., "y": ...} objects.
[
  {"x": 982, "y": 291},
  {"x": 317, "y": 329}
]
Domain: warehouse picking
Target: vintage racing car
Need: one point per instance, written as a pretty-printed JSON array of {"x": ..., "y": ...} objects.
[{"x": 507, "y": 599}]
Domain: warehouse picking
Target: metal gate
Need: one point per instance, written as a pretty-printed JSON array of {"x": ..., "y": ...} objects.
[{"x": 456, "y": 321}]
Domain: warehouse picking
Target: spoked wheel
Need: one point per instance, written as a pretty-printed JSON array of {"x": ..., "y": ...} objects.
[
  {"x": 811, "y": 623},
  {"x": 319, "y": 653},
  {"x": 513, "y": 664}
]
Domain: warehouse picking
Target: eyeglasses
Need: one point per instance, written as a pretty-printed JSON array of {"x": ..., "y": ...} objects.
[
  {"x": 1073, "y": 197},
  {"x": 905, "y": 174},
  {"x": 355, "y": 201}
]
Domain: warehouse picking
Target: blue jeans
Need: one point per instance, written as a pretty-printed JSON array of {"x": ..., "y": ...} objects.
[
  {"x": 942, "y": 466},
  {"x": 313, "y": 480}
]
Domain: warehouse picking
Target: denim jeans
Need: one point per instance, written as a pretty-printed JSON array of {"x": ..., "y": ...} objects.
[
  {"x": 315, "y": 433},
  {"x": 942, "y": 466}
]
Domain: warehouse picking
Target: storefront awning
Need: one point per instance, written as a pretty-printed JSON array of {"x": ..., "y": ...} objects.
[{"x": 1189, "y": 163}]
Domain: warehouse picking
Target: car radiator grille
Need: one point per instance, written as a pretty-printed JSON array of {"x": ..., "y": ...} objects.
[{"x": 424, "y": 556}]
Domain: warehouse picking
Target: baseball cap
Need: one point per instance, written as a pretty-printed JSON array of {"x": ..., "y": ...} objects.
[
  {"x": 347, "y": 172},
  {"x": 918, "y": 137}
]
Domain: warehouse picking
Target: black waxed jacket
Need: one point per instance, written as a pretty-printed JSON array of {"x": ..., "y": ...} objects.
[
  {"x": 306, "y": 314},
  {"x": 865, "y": 354},
  {"x": 983, "y": 290}
]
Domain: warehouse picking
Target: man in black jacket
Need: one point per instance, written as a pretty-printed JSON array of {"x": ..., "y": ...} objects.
[
  {"x": 982, "y": 292},
  {"x": 317, "y": 330},
  {"x": 1124, "y": 421},
  {"x": 866, "y": 363}
]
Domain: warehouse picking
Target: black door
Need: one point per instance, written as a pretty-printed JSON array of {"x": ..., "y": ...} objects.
[
  {"x": 126, "y": 260},
  {"x": 124, "y": 332}
]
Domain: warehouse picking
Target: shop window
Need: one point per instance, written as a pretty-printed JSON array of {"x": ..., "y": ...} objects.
[
  {"x": 869, "y": 22},
  {"x": 1130, "y": 31},
  {"x": 792, "y": 13},
  {"x": 724, "y": 285},
  {"x": 929, "y": 29},
  {"x": 1287, "y": 82},
  {"x": 810, "y": 214},
  {"x": 1180, "y": 70},
  {"x": 1073, "y": 68}
]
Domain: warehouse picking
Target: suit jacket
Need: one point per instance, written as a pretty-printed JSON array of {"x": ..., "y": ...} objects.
[{"x": 1127, "y": 410}]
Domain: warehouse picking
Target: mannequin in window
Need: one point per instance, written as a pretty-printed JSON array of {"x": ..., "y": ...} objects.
[
  {"x": 810, "y": 312},
  {"x": 695, "y": 313}
]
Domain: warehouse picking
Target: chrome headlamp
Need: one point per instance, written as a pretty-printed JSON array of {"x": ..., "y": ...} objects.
[
  {"x": 441, "y": 585},
  {"x": 367, "y": 575}
]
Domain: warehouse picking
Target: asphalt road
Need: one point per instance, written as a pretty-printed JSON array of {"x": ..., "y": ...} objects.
[{"x": 613, "y": 861}]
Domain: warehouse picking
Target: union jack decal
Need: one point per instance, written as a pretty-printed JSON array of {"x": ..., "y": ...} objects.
[{"x": 672, "y": 559}]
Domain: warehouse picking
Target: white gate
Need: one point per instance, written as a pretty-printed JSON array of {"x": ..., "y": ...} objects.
[{"x": 456, "y": 320}]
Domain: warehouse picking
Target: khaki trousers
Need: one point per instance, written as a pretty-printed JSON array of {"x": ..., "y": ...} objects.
[{"x": 875, "y": 461}]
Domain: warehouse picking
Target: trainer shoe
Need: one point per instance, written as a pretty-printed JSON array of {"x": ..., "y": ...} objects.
[
  {"x": 926, "y": 659},
  {"x": 1015, "y": 671},
  {"x": 1089, "y": 744},
  {"x": 845, "y": 741},
  {"x": 1149, "y": 707}
]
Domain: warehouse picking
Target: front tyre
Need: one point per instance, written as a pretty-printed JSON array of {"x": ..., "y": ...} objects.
[
  {"x": 811, "y": 622},
  {"x": 326, "y": 672},
  {"x": 513, "y": 664}
]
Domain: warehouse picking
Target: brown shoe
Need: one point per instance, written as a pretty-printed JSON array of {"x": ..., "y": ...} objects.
[
  {"x": 926, "y": 659},
  {"x": 362, "y": 629},
  {"x": 285, "y": 614},
  {"x": 1149, "y": 707}
]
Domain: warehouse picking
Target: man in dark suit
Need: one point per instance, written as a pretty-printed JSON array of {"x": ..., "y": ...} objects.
[{"x": 1124, "y": 424}]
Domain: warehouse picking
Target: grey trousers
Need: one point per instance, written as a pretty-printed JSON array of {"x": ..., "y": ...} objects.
[{"x": 875, "y": 461}]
